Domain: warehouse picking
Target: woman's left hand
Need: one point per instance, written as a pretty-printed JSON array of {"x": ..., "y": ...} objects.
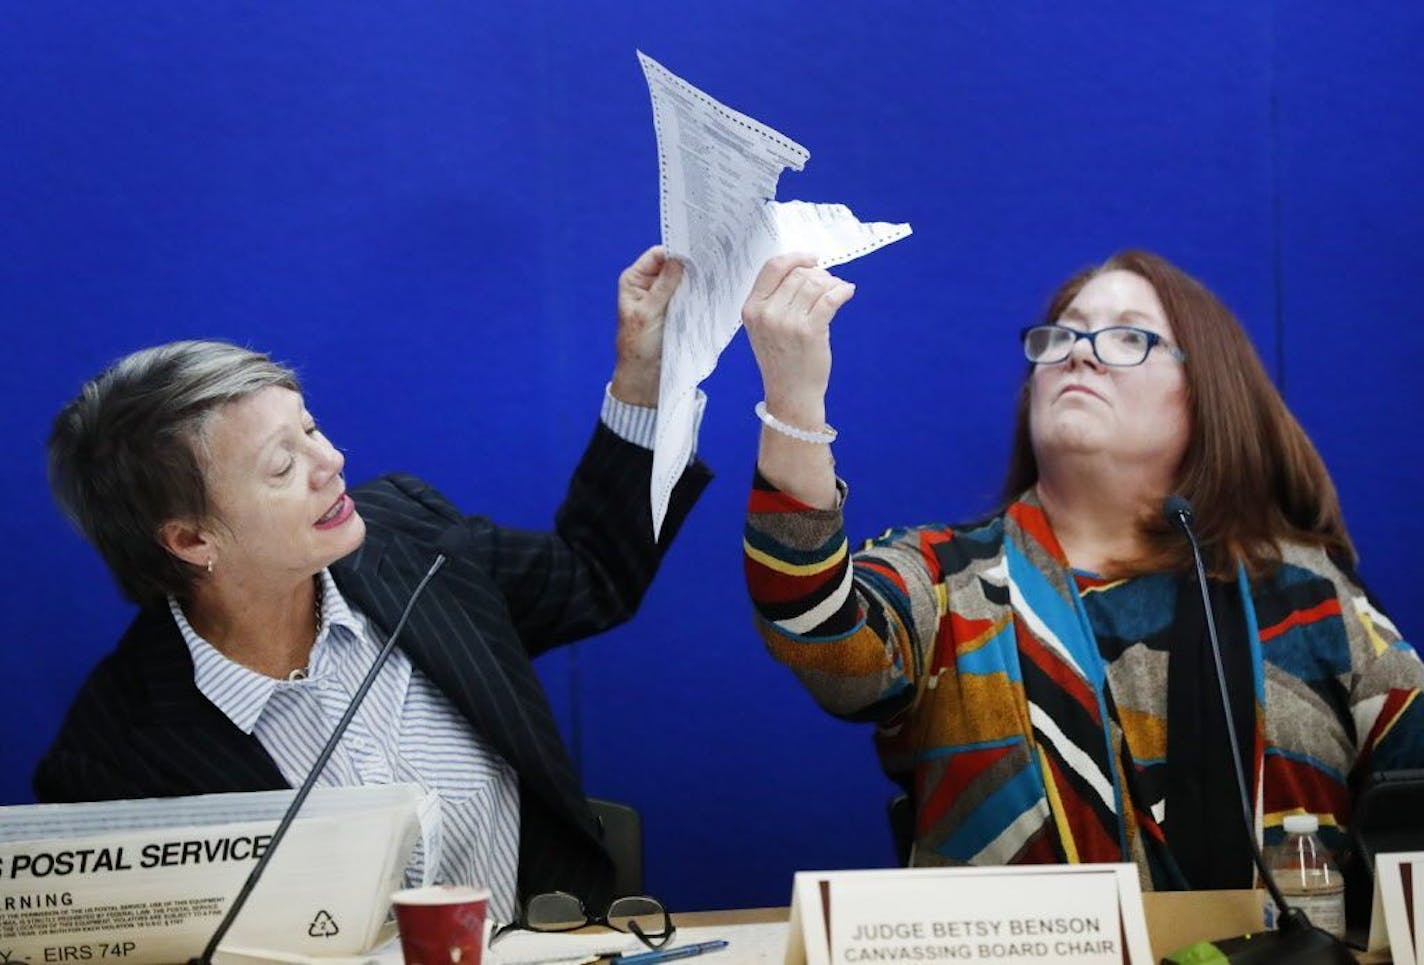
[{"x": 644, "y": 290}]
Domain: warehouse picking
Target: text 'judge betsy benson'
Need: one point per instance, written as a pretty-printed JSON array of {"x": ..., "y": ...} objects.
[
  {"x": 169, "y": 854},
  {"x": 1017, "y": 936}
]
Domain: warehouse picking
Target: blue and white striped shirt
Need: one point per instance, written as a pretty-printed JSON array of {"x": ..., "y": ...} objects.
[{"x": 405, "y": 731}]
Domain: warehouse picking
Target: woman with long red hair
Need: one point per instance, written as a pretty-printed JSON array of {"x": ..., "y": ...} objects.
[{"x": 1041, "y": 681}]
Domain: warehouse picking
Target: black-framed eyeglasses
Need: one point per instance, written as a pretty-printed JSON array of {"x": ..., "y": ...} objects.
[
  {"x": 559, "y": 911},
  {"x": 1120, "y": 345}
]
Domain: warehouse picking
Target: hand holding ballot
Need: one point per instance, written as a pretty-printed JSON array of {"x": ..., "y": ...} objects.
[
  {"x": 717, "y": 173},
  {"x": 644, "y": 290}
]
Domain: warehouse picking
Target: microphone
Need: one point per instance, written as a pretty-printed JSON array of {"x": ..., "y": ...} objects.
[
  {"x": 451, "y": 543},
  {"x": 1296, "y": 940}
]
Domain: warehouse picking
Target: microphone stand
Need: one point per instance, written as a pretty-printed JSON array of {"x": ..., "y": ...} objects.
[
  {"x": 1296, "y": 940},
  {"x": 325, "y": 755}
]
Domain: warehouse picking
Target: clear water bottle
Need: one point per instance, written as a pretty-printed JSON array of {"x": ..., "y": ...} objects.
[{"x": 1307, "y": 875}]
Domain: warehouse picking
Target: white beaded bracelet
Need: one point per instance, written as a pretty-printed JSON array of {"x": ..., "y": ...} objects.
[{"x": 822, "y": 436}]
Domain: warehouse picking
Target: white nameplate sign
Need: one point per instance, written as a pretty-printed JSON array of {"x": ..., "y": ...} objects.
[
  {"x": 1018, "y": 915},
  {"x": 1394, "y": 920}
]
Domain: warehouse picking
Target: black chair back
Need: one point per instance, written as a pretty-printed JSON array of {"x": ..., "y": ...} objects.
[
  {"x": 623, "y": 837},
  {"x": 1388, "y": 815},
  {"x": 901, "y": 812}
]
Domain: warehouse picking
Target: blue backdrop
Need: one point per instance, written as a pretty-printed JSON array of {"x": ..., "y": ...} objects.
[{"x": 424, "y": 207}]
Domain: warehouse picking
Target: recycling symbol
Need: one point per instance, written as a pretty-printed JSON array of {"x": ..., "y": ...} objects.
[{"x": 323, "y": 926}]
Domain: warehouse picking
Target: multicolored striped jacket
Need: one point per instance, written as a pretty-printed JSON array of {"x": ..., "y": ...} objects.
[{"x": 1024, "y": 704}]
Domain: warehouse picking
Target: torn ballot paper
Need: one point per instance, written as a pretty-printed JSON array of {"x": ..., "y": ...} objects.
[
  {"x": 717, "y": 174},
  {"x": 149, "y": 881}
]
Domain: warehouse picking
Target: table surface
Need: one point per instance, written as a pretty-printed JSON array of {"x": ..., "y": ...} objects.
[{"x": 1154, "y": 903}]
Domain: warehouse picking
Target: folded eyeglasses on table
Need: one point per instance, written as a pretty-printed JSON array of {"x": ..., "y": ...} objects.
[{"x": 559, "y": 911}]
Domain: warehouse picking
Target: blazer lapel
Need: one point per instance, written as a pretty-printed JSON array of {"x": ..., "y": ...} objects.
[
  {"x": 195, "y": 745},
  {"x": 459, "y": 635}
]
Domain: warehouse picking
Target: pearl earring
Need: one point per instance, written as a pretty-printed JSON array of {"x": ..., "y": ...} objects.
[{"x": 210, "y": 565}]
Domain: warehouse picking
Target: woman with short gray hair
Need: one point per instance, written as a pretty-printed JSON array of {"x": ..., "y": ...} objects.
[
  {"x": 266, "y": 588},
  {"x": 139, "y": 430}
]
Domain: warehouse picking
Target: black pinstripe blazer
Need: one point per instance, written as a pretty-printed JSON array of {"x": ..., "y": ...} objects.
[{"x": 141, "y": 728}]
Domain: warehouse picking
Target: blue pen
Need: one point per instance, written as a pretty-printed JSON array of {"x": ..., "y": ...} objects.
[{"x": 670, "y": 954}]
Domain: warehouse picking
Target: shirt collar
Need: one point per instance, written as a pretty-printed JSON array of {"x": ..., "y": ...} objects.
[
  {"x": 240, "y": 692},
  {"x": 335, "y": 611},
  {"x": 237, "y": 691}
]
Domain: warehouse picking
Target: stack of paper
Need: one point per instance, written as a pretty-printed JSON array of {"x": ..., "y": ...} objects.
[{"x": 148, "y": 881}]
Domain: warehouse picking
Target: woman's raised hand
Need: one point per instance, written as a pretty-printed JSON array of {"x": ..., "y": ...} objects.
[
  {"x": 788, "y": 320},
  {"x": 644, "y": 290}
]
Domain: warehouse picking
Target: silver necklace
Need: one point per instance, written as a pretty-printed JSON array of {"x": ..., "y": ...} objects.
[{"x": 302, "y": 673}]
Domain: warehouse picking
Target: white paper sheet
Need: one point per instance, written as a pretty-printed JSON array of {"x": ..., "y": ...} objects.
[
  {"x": 717, "y": 174},
  {"x": 746, "y": 943}
]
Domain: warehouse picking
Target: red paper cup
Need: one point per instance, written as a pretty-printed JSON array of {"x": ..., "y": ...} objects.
[{"x": 441, "y": 924}]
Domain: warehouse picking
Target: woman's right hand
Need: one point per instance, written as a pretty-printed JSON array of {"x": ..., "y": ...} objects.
[{"x": 788, "y": 320}]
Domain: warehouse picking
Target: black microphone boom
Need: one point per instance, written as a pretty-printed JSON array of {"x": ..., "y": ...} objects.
[
  {"x": 450, "y": 543},
  {"x": 1296, "y": 940}
]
